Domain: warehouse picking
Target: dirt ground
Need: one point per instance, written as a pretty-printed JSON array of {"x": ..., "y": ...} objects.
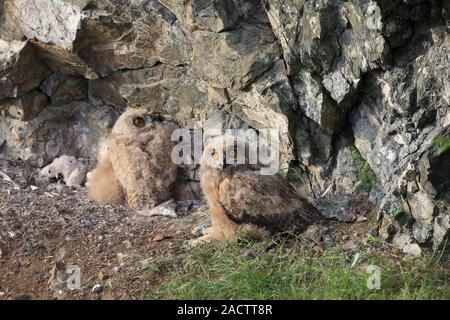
[
  {"x": 49, "y": 232},
  {"x": 57, "y": 244}
]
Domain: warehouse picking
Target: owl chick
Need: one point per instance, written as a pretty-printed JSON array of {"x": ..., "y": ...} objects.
[
  {"x": 137, "y": 164},
  {"x": 70, "y": 168},
  {"x": 239, "y": 197}
]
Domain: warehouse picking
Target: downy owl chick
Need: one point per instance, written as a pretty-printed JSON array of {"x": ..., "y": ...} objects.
[
  {"x": 240, "y": 197},
  {"x": 137, "y": 165}
]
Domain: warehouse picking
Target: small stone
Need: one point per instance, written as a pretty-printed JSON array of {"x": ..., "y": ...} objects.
[
  {"x": 127, "y": 244},
  {"x": 145, "y": 264},
  {"x": 166, "y": 209},
  {"x": 361, "y": 219},
  {"x": 121, "y": 257},
  {"x": 159, "y": 237},
  {"x": 199, "y": 230},
  {"x": 401, "y": 240},
  {"x": 250, "y": 255},
  {"x": 412, "y": 249},
  {"x": 100, "y": 248},
  {"x": 84, "y": 223},
  {"x": 327, "y": 239},
  {"x": 97, "y": 289}
]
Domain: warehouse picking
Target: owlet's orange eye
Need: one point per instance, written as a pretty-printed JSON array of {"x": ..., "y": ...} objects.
[
  {"x": 139, "y": 122},
  {"x": 215, "y": 154}
]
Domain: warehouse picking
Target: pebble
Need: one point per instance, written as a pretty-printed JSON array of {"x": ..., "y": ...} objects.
[
  {"x": 127, "y": 244},
  {"x": 327, "y": 239},
  {"x": 84, "y": 223},
  {"x": 412, "y": 249},
  {"x": 251, "y": 255},
  {"x": 100, "y": 248},
  {"x": 121, "y": 257},
  {"x": 145, "y": 264},
  {"x": 198, "y": 231},
  {"x": 98, "y": 289}
]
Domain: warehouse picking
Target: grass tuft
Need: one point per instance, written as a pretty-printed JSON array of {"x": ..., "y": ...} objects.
[
  {"x": 294, "y": 271},
  {"x": 442, "y": 145},
  {"x": 366, "y": 176}
]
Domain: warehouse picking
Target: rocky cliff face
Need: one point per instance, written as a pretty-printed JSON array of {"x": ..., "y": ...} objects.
[{"x": 359, "y": 89}]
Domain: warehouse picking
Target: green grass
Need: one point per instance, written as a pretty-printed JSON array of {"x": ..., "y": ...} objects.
[
  {"x": 366, "y": 176},
  {"x": 442, "y": 145},
  {"x": 292, "y": 271}
]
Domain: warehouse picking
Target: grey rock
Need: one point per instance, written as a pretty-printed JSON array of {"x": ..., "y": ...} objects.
[
  {"x": 441, "y": 229},
  {"x": 64, "y": 89},
  {"x": 250, "y": 255},
  {"x": 245, "y": 54},
  {"x": 320, "y": 71},
  {"x": 216, "y": 16},
  {"x": 23, "y": 72},
  {"x": 339, "y": 44},
  {"x": 395, "y": 126},
  {"x": 26, "y": 107},
  {"x": 345, "y": 176},
  {"x": 401, "y": 240},
  {"x": 64, "y": 62},
  {"x": 199, "y": 230},
  {"x": 54, "y": 22},
  {"x": 75, "y": 129},
  {"x": 97, "y": 289},
  {"x": 412, "y": 249},
  {"x": 327, "y": 239},
  {"x": 166, "y": 209}
]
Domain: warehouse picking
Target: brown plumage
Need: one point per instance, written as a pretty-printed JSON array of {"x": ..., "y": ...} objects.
[
  {"x": 102, "y": 184},
  {"x": 240, "y": 197},
  {"x": 137, "y": 165}
]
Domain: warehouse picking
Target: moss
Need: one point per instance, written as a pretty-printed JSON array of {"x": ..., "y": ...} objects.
[
  {"x": 296, "y": 175},
  {"x": 442, "y": 145},
  {"x": 366, "y": 176}
]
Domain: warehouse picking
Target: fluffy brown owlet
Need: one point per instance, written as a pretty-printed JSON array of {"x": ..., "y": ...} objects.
[
  {"x": 240, "y": 197},
  {"x": 137, "y": 165}
]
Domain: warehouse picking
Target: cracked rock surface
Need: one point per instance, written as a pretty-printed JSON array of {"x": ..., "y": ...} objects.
[{"x": 337, "y": 78}]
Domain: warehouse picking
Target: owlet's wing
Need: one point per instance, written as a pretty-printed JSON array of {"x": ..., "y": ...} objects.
[{"x": 266, "y": 201}]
